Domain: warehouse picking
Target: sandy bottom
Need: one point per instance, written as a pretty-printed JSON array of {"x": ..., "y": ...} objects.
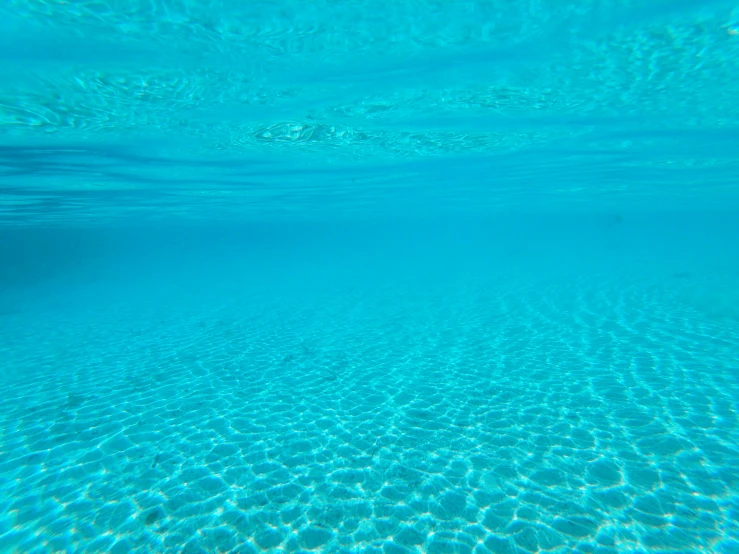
[{"x": 502, "y": 415}]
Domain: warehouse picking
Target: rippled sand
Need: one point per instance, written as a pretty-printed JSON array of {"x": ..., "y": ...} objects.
[{"x": 595, "y": 414}]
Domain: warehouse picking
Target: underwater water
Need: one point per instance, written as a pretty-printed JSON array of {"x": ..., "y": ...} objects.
[{"x": 375, "y": 277}]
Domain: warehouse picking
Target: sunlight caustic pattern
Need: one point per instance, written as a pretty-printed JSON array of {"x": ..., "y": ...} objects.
[{"x": 534, "y": 419}]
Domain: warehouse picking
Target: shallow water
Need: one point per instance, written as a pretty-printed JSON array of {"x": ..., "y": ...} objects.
[{"x": 376, "y": 277}]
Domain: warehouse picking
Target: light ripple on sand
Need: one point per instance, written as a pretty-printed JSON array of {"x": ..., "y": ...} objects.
[{"x": 548, "y": 418}]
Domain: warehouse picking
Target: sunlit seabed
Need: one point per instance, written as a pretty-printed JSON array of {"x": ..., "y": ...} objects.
[{"x": 596, "y": 414}]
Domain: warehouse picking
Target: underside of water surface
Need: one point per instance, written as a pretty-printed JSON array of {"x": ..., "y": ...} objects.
[{"x": 369, "y": 276}]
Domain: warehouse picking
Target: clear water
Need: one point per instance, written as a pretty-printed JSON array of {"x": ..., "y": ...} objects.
[{"x": 383, "y": 277}]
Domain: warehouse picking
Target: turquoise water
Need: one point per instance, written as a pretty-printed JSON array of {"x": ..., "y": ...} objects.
[{"x": 383, "y": 277}]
